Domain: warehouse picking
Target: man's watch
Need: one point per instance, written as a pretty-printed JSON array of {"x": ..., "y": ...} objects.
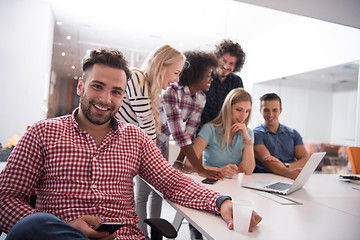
[{"x": 287, "y": 165}]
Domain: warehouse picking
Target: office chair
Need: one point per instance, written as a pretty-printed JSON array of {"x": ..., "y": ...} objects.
[
  {"x": 354, "y": 158},
  {"x": 159, "y": 227}
]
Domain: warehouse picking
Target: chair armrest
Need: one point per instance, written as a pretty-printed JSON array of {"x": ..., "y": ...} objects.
[{"x": 160, "y": 227}]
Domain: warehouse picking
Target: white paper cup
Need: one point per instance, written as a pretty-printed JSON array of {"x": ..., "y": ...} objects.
[{"x": 242, "y": 211}]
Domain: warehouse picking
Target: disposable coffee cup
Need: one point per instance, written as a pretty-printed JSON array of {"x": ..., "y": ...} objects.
[{"x": 242, "y": 211}]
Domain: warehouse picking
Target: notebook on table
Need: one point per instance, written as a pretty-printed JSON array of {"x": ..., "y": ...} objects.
[{"x": 286, "y": 188}]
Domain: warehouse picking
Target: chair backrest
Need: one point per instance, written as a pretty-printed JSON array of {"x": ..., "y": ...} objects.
[
  {"x": 240, "y": 168},
  {"x": 354, "y": 158}
]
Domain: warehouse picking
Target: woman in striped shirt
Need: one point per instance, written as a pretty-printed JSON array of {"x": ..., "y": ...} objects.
[{"x": 141, "y": 107}]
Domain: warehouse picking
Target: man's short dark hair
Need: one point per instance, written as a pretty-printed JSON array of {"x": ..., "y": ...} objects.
[
  {"x": 270, "y": 97},
  {"x": 234, "y": 49},
  {"x": 196, "y": 65},
  {"x": 108, "y": 57}
]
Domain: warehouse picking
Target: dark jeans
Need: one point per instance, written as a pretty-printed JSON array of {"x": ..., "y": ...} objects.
[{"x": 43, "y": 226}]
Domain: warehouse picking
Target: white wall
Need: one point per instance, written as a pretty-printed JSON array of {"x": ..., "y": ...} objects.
[
  {"x": 357, "y": 127},
  {"x": 300, "y": 45},
  {"x": 322, "y": 113},
  {"x": 344, "y": 116},
  {"x": 283, "y": 44},
  {"x": 26, "y": 29}
]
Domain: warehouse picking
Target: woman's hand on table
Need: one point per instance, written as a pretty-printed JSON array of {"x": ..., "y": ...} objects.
[{"x": 229, "y": 170}]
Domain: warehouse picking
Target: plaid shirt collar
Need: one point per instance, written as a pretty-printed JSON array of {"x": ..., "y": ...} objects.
[
  {"x": 186, "y": 91},
  {"x": 113, "y": 122}
]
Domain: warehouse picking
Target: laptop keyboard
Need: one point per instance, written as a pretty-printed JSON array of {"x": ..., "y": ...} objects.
[{"x": 279, "y": 186}]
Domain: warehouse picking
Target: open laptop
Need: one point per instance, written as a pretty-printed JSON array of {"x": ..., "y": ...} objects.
[{"x": 287, "y": 188}]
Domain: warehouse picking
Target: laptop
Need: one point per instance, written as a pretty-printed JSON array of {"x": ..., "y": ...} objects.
[{"x": 285, "y": 188}]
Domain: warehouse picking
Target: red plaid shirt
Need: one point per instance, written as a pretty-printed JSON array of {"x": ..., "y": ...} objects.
[{"x": 72, "y": 177}]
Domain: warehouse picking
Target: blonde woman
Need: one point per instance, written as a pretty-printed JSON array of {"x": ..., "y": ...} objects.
[
  {"x": 141, "y": 107},
  {"x": 226, "y": 142},
  {"x": 142, "y": 99}
]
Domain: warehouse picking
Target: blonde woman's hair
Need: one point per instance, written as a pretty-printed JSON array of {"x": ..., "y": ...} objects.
[
  {"x": 154, "y": 69},
  {"x": 223, "y": 121}
]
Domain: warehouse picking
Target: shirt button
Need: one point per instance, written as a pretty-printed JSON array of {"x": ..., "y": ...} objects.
[
  {"x": 94, "y": 186},
  {"x": 94, "y": 158}
]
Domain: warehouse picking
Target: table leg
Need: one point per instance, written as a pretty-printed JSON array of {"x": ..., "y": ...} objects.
[{"x": 177, "y": 221}]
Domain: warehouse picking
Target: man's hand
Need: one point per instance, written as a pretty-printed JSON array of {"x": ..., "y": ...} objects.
[
  {"x": 85, "y": 224},
  {"x": 226, "y": 211},
  {"x": 255, "y": 219},
  {"x": 294, "y": 172},
  {"x": 287, "y": 172}
]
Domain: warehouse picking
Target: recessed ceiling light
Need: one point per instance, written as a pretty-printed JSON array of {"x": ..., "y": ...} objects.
[
  {"x": 72, "y": 67},
  {"x": 68, "y": 37},
  {"x": 59, "y": 23},
  {"x": 63, "y": 54},
  {"x": 75, "y": 77}
]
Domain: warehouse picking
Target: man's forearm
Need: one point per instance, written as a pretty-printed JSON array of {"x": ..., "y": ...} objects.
[
  {"x": 277, "y": 167},
  {"x": 299, "y": 163},
  {"x": 189, "y": 152}
]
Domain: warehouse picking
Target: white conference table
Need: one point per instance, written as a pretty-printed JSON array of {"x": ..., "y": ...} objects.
[
  {"x": 330, "y": 209},
  {"x": 2, "y": 165}
]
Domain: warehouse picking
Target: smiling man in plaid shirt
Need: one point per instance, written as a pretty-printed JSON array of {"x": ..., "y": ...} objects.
[{"x": 81, "y": 167}]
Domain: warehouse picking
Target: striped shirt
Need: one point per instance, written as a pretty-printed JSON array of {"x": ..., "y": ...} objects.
[
  {"x": 136, "y": 108},
  {"x": 183, "y": 113},
  {"x": 72, "y": 177}
]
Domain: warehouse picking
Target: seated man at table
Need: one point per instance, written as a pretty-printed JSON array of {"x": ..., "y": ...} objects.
[
  {"x": 278, "y": 148},
  {"x": 81, "y": 167}
]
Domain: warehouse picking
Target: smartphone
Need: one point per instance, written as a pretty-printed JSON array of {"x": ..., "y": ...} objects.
[
  {"x": 110, "y": 227},
  {"x": 350, "y": 177},
  {"x": 209, "y": 181}
]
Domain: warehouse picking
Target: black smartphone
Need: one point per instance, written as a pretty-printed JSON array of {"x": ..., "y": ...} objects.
[
  {"x": 110, "y": 227},
  {"x": 209, "y": 181},
  {"x": 350, "y": 177}
]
